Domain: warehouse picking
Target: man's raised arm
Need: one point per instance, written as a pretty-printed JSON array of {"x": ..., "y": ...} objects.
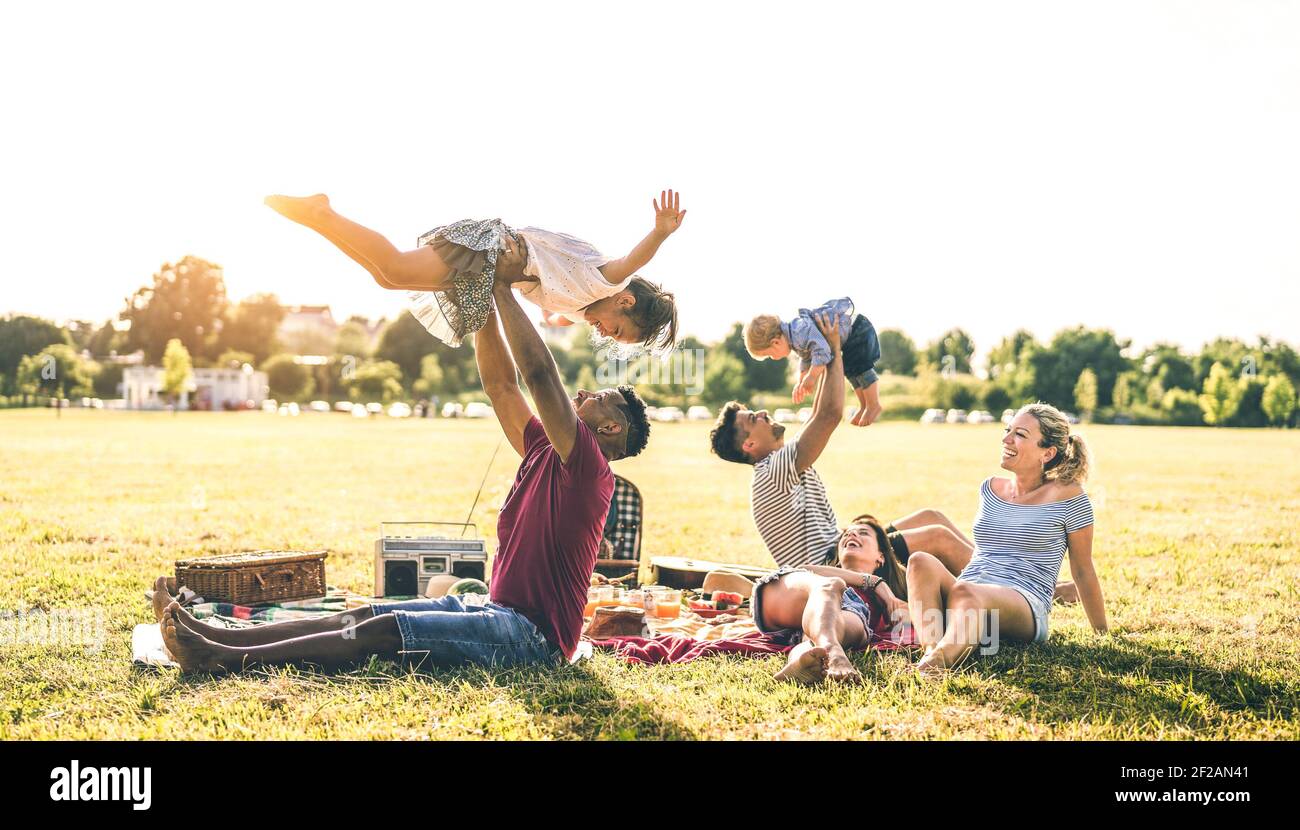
[
  {"x": 539, "y": 372},
  {"x": 496, "y": 372},
  {"x": 828, "y": 407}
]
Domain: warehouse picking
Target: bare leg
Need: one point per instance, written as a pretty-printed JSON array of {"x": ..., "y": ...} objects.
[
  {"x": 930, "y": 516},
  {"x": 421, "y": 269},
  {"x": 972, "y": 609},
  {"x": 861, "y": 395},
  {"x": 928, "y": 584},
  {"x": 378, "y": 635},
  {"x": 941, "y": 543},
  {"x": 869, "y": 407},
  {"x": 813, "y": 603}
]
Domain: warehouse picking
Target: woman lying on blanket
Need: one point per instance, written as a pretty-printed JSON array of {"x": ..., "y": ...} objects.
[{"x": 825, "y": 609}]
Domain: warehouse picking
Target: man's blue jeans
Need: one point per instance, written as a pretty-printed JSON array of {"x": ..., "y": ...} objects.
[{"x": 447, "y": 632}]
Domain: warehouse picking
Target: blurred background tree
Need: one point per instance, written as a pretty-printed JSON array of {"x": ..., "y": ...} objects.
[
  {"x": 288, "y": 379},
  {"x": 177, "y": 370},
  {"x": 186, "y": 302},
  {"x": 897, "y": 353}
]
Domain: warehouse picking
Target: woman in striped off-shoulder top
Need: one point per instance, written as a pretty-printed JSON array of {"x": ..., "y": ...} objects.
[{"x": 1024, "y": 527}]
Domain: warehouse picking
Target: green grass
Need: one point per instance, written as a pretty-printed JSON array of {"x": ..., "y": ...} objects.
[{"x": 1196, "y": 546}]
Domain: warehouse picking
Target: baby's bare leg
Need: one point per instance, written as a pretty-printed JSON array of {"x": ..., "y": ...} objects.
[
  {"x": 869, "y": 398},
  {"x": 421, "y": 269},
  {"x": 861, "y": 394}
]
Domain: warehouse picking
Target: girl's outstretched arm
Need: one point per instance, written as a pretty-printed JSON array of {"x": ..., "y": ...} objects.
[{"x": 668, "y": 218}]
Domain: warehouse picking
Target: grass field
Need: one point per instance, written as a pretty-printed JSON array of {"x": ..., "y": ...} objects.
[{"x": 1197, "y": 541}]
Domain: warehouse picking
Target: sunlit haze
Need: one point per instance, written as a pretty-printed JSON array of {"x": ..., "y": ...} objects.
[{"x": 995, "y": 165}]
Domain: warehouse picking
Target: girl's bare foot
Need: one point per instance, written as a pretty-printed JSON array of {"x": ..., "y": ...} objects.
[
  {"x": 839, "y": 669},
  {"x": 305, "y": 210},
  {"x": 807, "y": 669},
  {"x": 932, "y": 664},
  {"x": 189, "y": 648}
]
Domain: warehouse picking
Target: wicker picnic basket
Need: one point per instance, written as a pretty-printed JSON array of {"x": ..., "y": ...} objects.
[{"x": 255, "y": 577}]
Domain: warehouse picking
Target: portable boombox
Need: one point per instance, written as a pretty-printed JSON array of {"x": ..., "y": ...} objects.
[{"x": 409, "y": 554}]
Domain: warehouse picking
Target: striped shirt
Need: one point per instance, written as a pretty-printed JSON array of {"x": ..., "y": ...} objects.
[
  {"x": 1022, "y": 545},
  {"x": 791, "y": 510}
]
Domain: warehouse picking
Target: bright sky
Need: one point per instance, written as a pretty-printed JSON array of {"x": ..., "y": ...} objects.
[{"x": 989, "y": 165}]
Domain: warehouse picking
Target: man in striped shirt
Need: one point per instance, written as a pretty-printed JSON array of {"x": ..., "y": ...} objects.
[
  {"x": 791, "y": 509},
  {"x": 789, "y": 501}
]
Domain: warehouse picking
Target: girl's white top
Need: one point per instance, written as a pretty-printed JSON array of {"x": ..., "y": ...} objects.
[{"x": 568, "y": 279}]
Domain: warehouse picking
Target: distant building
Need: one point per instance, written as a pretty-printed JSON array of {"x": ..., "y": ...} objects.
[
  {"x": 210, "y": 389},
  {"x": 308, "y": 329}
]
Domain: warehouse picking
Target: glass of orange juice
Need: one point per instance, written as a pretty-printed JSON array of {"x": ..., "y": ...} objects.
[{"x": 668, "y": 604}]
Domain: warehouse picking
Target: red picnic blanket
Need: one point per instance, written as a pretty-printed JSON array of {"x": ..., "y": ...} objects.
[{"x": 676, "y": 648}]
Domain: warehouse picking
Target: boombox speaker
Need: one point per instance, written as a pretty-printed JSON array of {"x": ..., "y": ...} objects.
[{"x": 409, "y": 554}]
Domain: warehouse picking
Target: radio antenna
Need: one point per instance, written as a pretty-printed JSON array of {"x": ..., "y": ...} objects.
[{"x": 481, "y": 483}]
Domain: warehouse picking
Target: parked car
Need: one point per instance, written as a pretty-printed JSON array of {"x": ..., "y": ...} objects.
[
  {"x": 1071, "y": 417},
  {"x": 670, "y": 414},
  {"x": 933, "y": 416},
  {"x": 478, "y": 409},
  {"x": 289, "y": 409},
  {"x": 784, "y": 416},
  {"x": 956, "y": 416},
  {"x": 651, "y": 412},
  {"x": 980, "y": 416},
  {"x": 319, "y": 406},
  {"x": 270, "y": 405},
  {"x": 343, "y": 406},
  {"x": 359, "y": 411},
  {"x": 399, "y": 410},
  {"x": 1008, "y": 415},
  {"x": 451, "y": 409},
  {"x": 805, "y": 414},
  {"x": 375, "y": 408},
  {"x": 699, "y": 413}
]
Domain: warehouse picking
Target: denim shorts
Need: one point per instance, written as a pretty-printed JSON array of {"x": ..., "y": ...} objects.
[
  {"x": 850, "y": 602},
  {"x": 447, "y": 632},
  {"x": 861, "y": 353}
]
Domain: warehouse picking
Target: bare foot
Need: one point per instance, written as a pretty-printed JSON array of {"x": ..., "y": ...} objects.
[
  {"x": 189, "y": 648},
  {"x": 161, "y": 597},
  {"x": 305, "y": 210},
  {"x": 932, "y": 665},
  {"x": 839, "y": 669},
  {"x": 807, "y": 669},
  {"x": 213, "y": 633}
]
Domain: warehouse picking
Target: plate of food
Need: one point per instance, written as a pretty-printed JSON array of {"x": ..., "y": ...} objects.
[{"x": 716, "y": 603}]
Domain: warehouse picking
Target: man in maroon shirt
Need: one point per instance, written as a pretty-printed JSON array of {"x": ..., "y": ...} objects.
[{"x": 549, "y": 532}]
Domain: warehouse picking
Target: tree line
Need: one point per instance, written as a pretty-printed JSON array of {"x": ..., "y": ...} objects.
[{"x": 183, "y": 317}]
